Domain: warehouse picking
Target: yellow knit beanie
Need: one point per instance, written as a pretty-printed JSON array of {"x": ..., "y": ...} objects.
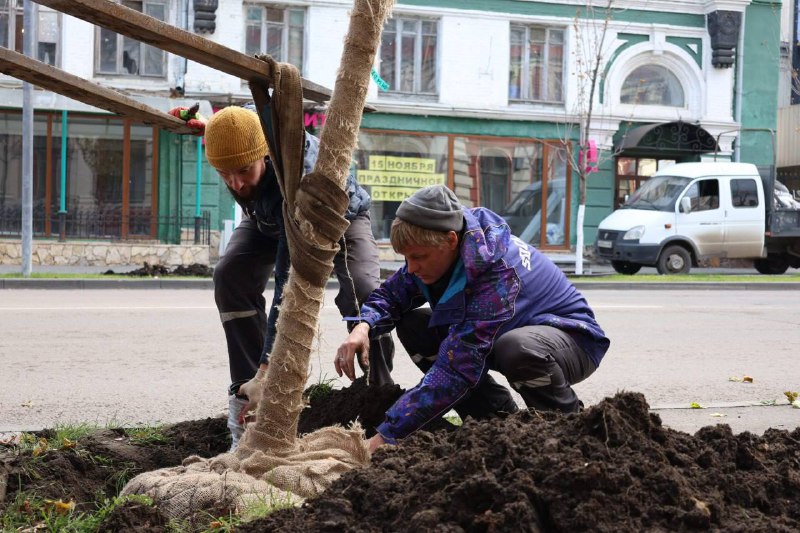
[{"x": 234, "y": 138}]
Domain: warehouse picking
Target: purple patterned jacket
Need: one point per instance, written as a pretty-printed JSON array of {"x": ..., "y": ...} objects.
[{"x": 499, "y": 283}]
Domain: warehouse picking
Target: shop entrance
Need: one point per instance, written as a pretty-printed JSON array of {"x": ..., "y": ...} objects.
[{"x": 643, "y": 150}]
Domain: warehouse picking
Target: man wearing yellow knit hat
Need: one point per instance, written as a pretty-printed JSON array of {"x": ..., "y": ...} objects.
[{"x": 237, "y": 149}]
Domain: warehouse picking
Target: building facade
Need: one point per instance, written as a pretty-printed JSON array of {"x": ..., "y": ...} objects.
[{"x": 489, "y": 97}]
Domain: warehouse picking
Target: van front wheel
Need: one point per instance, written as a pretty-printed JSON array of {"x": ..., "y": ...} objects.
[
  {"x": 624, "y": 267},
  {"x": 674, "y": 260}
]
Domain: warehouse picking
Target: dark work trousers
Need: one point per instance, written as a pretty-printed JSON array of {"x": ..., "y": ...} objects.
[
  {"x": 240, "y": 279},
  {"x": 540, "y": 362},
  {"x": 358, "y": 269}
]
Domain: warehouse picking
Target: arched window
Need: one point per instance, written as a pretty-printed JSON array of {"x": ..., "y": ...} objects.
[{"x": 652, "y": 85}]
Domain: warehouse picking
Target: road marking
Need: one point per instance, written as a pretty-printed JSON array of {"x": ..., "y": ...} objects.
[
  {"x": 612, "y": 306},
  {"x": 123, "y": 308},
  {"x": 128, "y": 308}
]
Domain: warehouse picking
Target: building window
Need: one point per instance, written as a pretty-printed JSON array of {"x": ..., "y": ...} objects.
[
  {"x": 122, "y": 56},
  {"x": 536, "y": 68},
  {"x": 408, "y": 55},
  {"x": 47, "y": 37},
  {"x": 652, "y": 85},
  {"x": 275, "y": 31}
]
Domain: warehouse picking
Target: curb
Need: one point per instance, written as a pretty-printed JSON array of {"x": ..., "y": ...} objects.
[
  {"x": 177, "y": 283},
  {"x": 687, "y": 286}
]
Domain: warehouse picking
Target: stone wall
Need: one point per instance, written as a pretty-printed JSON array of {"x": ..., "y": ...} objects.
[{"x": 104, "y": 253}]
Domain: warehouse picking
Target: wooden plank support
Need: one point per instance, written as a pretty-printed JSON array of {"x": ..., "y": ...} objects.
[
  {"x": 43, "y": 75},
  {"x": 149, "y": 30}
]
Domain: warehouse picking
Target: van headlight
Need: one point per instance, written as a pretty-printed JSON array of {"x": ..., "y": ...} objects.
[{"x": 634, "y": 234}]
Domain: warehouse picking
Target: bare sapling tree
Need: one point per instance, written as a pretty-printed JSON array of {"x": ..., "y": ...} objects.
[{"x": 591, "y": 30}]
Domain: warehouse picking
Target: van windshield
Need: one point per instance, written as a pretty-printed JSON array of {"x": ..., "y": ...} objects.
[{"x": 658, "y": 193}]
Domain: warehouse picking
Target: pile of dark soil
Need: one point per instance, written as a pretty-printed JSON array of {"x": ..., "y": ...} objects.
[
  {"x": 613, "y": 467},
  {"x": 148, "y": 270},
  {"x": 102, "y": 462}
]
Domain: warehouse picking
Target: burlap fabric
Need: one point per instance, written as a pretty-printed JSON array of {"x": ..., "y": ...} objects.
[{"x": 271, "y": 462}]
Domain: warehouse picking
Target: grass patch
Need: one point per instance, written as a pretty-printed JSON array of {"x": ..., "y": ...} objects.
[
  {"x": 64, "y": 436},
  {"x": 261, "y": 507},
  {"x": 73, "y": 433},
  {"x": 147, "y": 435},
  {"x": 54, "y": 275},
  {"x": 27, "y": 512},
  {"x": 319, "y": 390}
]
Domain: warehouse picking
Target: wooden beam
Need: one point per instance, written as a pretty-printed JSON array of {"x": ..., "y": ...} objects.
[
  {"x": 56, "y": 80},
  {"x": 146, "y": 29}
]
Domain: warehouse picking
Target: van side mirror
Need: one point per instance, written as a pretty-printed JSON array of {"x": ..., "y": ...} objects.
[{"x": 686, "y": 205}]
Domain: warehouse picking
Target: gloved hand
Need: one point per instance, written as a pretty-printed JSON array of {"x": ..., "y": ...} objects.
[
  {"x": 254, "y": 390},
  {"x": 193, "y": 119}
]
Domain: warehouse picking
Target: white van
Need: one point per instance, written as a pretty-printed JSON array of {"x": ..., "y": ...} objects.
[{"x": 690, "y": 211}]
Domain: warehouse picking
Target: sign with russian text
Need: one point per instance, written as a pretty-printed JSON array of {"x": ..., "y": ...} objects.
[{"x": 393, "y": 179}]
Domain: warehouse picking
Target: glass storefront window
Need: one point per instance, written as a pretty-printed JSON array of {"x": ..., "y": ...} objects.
[
  {"x": 141, "y": 180},
  {"x": 556, "y": 216},
  {"x": 96, "y": 204},
  {"x": 11, "y": 170},
  {"x": 508, "y": 176},
  {"x": 393, "y": 166}
]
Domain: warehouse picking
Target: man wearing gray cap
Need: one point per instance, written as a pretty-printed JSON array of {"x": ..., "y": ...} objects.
[{"x": 496, "y": 303}]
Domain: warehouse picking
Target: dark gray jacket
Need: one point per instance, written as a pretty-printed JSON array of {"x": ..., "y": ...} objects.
[{"x": 266, "y": 210}]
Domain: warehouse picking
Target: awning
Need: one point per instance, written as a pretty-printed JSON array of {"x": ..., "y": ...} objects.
[{"x": 667, "y": 140}]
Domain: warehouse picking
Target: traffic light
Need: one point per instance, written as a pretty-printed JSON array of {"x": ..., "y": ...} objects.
[{"x": 205, "y": 16}]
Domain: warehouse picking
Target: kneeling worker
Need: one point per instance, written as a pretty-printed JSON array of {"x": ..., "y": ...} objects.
[{"x": 496, "y": 303}]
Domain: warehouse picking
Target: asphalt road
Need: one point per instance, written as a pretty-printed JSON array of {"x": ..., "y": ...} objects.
[{"x": 129, "y": 357}]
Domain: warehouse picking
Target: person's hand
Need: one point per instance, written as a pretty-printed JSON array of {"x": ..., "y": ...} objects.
[
  {"x": 254, "y": 390},
  {"x": 375, "y": 441},
  {"x": 357, "y": 343},
  {"x": 193, "y": 119}
]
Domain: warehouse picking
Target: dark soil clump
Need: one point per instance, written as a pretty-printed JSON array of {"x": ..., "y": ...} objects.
[
  {"x": 360, "y": 402},
  {"x": 134, "y": 517},
  {"x": 194, "y": 270},
  {"x": 343, "y": 407}
]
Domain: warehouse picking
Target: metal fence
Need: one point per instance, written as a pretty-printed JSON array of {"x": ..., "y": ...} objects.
[{"x": 107, "y": 225}]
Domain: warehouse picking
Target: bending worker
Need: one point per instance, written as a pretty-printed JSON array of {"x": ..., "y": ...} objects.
[
  {"x": 237, "y": 149},
  {"x": 496, "y": 303}
]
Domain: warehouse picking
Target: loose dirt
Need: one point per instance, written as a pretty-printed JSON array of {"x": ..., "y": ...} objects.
[
  {"x": 613, "y": 467},
  {"x": 148, "y": 270}
]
